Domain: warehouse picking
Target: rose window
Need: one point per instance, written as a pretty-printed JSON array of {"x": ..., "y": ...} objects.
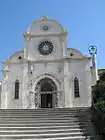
[{"x": 45, "y": 48}]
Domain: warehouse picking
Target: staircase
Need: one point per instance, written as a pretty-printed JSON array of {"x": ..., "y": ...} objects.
[{"x": 45, "y": 124}]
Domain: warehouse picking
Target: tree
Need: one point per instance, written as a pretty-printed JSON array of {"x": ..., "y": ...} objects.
[{"x": 99, "y": 105}]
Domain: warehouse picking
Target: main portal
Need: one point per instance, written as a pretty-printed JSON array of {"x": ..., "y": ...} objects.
[
  {"x": 47, "y": 93},
  {"x": 46, "y": 100}
]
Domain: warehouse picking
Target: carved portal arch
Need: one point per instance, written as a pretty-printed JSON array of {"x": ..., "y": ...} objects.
[
  {"x": 50, "y": 76},
  {"x": 46, "y": 84}
]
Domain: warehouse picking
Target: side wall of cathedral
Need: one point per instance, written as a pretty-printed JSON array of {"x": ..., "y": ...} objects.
[
  {"x": 8, "y": 87},
  {"x": 81, "y": 70}
]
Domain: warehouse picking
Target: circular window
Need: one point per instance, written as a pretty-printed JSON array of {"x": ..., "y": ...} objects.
[
  {"x": 45, "y": 48},
  {"x": 45, "y": 28},
  {"x": 19, "y": 57}
]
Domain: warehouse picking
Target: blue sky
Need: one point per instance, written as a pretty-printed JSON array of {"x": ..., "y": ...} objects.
[{"x": 83, "y": 19}]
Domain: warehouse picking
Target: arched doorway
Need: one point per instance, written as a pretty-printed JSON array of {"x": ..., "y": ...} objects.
[{"x": 46, "y": 93}]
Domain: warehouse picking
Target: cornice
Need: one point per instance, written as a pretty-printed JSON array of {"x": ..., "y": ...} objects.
[
  {"x": 8, "y": 62},
  {"x": 44, "y": 35}
]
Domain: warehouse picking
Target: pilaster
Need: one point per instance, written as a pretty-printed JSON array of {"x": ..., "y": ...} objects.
[
  {"x": 25, "y": 93},
  {"x": 68, "y": 96},
  {"x": 4, "y": 93}
]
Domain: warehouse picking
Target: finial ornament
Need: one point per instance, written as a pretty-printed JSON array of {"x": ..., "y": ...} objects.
[
  {"x": 5, "y": 72},
  {"x": 92, "y": 49},
  {"x": 45, "y": 17}
]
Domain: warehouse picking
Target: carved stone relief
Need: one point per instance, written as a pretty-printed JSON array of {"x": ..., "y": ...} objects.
[{"x": 35, "y": 93}]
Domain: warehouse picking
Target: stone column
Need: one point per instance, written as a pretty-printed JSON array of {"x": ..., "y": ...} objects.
[
  {"x": 59, "y": 96},
  {"x": 4, "y": 93},
  {"x": 32, "y": 100},
  {"x": 57, "y": 100},
  {"x": 68, "y": 94},
  {"x": 25, "y": 94},
  {"x": 36, "y": 100},
  {"x": 37, "y": 97},
  {"x": 64, "y": 46},
  {"x": 39, "y": 100}
]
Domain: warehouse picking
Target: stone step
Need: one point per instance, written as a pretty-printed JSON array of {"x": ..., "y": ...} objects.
[
  {"x": 27, "y": 131},
  {"x": 38, "y": 113},
  {"x": 39, "y": 126},
  {"x": 73, "y": 127},
  {"x": 41, "y": 121},
  {"x": 63, "y": 138},
  {"x": 41, "y": 111},
  {"x": 33, "y": 137},
  {"x": 48, "y": 135},
  {"x": 44, "y": 116},
  {"x": 43, "y": 124},
  {"x": 41, "y": 117},
  {"x": 70, "y": 122},
  {"x": 49, "y": 109}
]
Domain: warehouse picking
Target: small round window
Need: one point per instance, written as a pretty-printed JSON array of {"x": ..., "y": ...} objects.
[
  {"x": 19, "y": 57},
  {"x": 45, "y": 47},
  {"x": 45, "y": 28}
]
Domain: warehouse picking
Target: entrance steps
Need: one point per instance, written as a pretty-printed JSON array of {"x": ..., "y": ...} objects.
[{"x": 45, "y": 124}]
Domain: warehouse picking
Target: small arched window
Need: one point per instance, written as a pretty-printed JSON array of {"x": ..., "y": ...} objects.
[
  {"x": 17, "y": 89},
  {"x": 76, "y": 87}
]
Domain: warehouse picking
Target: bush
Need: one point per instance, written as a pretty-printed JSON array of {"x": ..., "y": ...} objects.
[{"x": 98, "y": 106}]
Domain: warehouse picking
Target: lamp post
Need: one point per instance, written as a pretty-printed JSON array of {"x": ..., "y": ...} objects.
[
  {"x": 93, "y": 53},
  {"x": 92, "y": 49}
]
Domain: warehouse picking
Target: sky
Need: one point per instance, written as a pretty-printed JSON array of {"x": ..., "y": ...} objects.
[{"x": 83, "y": 19}]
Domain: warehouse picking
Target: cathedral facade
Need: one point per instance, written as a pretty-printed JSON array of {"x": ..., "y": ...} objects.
[{"x": 47, "y": 73}]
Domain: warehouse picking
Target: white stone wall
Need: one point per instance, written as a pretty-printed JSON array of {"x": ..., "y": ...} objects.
[
  {"x": 31, "y": 48},
  {"x": 8, "y": 93},
  {"x": 37, "y": 27},
  {"x": 81, "y": 70}
]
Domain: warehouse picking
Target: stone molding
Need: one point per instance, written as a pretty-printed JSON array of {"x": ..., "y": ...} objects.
[
  {"x": 8, "y": 62},
  {"x": 28, "y": 35}
]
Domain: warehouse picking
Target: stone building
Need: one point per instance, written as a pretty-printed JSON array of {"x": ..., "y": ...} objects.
[{"x": 47, "y": 73}]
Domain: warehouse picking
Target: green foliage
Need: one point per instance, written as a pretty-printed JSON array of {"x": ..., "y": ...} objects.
[{"x": 99, "y": 106}]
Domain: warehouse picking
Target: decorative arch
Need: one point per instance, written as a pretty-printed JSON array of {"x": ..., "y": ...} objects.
[
  {"x": 45, "y": 19},
  {"x": 50, "y": 76},
  {"x": 75, "y": 50},
  {"x": 40, "y": 82},
  {"x": 16, "y": 53},
  {"x": 47, "y": 84}
]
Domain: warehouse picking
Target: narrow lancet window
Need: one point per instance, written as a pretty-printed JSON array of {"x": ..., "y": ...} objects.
[
  {"x": 76, "y": 87},
  {"x": 17, "y": 89}
]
